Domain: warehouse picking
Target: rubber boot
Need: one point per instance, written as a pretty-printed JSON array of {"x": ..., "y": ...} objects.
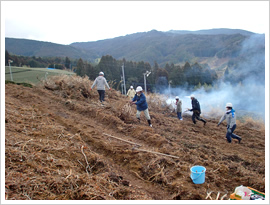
[
  {"x": 239, "y": 140},
  {"x": 149, "y": 122},
  {"x": 203, "y": 122}
]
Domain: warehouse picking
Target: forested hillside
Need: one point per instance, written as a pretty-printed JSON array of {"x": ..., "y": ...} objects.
[
  {"x": 214, "y": 46},
  {"x": 24, "y": 47},
  {"x": 164, "y": 47},
  {"x": 177, "y": 58},
  {"x": 216, "y": 31}
]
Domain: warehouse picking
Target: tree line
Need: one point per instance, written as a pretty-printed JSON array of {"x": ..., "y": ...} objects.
[
  {"x": 40, "y": 62},
  {"x": 190, "y": 76}
]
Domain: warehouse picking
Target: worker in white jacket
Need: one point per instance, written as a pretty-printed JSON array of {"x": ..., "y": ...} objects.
[
  {"x": 178, "y": 108},
  {"x": 100, "y": 82},
  {"x": 231, "y": 123},
  {"x": 131, "y": 92}
]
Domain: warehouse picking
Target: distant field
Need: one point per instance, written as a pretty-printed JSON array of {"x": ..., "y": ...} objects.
[{"x": 32, "y": 75}]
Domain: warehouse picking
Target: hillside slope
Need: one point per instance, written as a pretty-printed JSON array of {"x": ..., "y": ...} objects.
[
  {"x": 25, "y": 47},
  {"x": 164, "y": 47},
  {"x": 60, "y": 143},
  {"x": 215, "y": 31},
  {"x": 173, "y": 46}
]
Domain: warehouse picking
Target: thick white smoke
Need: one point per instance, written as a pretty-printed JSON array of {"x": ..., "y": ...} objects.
[
  {"x": 244, "y": 99},
  {"x": 248, "y": 96}
]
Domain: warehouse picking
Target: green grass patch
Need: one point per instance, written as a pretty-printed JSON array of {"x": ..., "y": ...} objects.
[
  {"x": 32, "y": 75},
  {"x": 24, "y": 84}
]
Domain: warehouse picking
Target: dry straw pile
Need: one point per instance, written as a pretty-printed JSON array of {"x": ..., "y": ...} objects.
[{"x": 61, "y": 143}]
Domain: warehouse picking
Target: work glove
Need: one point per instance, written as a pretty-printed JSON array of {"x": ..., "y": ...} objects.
[
  {"x": 90, "y": 89},
  {"x": 110, "y": 89},
  {"x": 230, "y": 130}
]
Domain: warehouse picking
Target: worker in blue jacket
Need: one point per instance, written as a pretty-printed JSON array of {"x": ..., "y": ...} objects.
[{"x": 140, "y": 100}]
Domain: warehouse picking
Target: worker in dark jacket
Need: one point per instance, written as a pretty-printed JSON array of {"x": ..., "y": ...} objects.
[
  {"x": 196, "y": 109},
  {"x": 141, "y": 105}
]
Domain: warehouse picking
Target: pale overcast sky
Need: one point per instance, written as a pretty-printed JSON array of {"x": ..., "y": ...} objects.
[{"x": 65, "y": 22}]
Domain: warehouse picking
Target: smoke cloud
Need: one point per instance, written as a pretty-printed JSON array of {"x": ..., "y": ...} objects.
[{"x": 247, "y": 96}]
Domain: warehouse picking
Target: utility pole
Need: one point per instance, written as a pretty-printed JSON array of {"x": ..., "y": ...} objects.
[
  {"x": 10, "y": 61},
  {"x": 124, "y": 79},
  {"x": 147, "y": 73},
  {"x": 122, "y": 85},
  {"x": 144, "y": 83}
]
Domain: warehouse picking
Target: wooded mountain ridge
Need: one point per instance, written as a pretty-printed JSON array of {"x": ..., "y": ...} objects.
[{"x": 215, "y": 47}]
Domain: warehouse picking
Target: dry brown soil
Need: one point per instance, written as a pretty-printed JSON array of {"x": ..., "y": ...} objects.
[{"x": 61, "y": 143}]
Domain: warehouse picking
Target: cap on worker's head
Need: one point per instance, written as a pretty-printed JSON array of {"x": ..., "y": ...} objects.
[
  {"x": 192, "y": 96},
  {"x": 138, "y": 89},
  {"x": 176, "y": 98},
  {"x": 131, "y": 86},
  {"x": 101, "y": 73},
  {"x": 229, "y": 105}
]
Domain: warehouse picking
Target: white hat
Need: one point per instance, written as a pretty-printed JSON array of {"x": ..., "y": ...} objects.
[
  {"x": 138, "y": 89},
  {"x": 101, "y": 73},
  {"x": 192, "y": 96},
  {"x": 131, "y": 86},
  {"x": 177, "y": 98},
  {"x": 229, "y": 105}
]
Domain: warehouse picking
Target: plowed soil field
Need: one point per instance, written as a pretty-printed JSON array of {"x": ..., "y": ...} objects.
[{"x": 62, "y": 144}]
